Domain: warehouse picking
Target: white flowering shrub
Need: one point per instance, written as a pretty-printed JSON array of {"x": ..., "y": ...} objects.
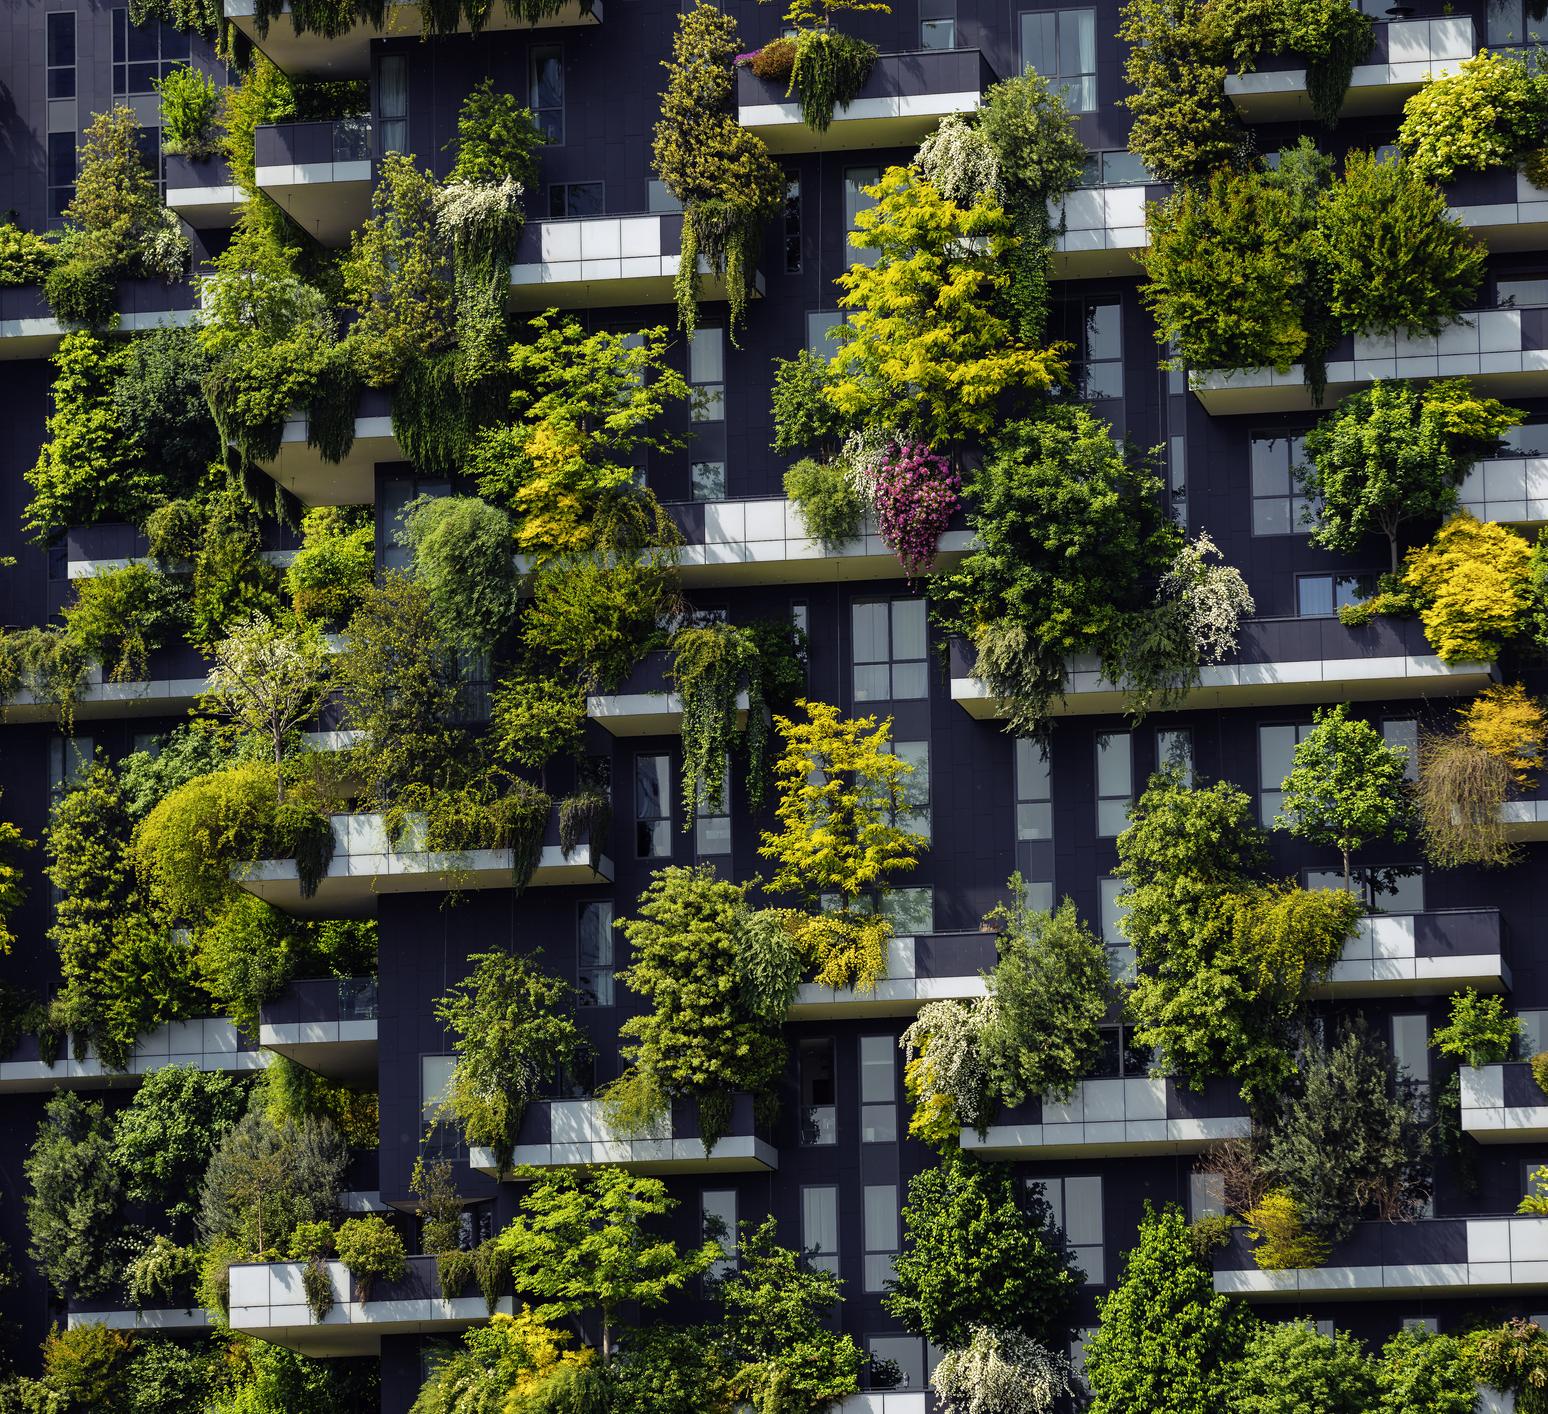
[
  {"x": 1000, "y": 1372},
  {"x": 1213, "y": 598},
  {"x": 480, "y": 218},
  {"x": 945, "y": 1066},
  {"x": 960, "y": 162}
]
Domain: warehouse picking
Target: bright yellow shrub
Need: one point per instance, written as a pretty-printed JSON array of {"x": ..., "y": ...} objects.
[
  {"x": 1471, "y": 585},
  {"x": 1508, "y": 724}
]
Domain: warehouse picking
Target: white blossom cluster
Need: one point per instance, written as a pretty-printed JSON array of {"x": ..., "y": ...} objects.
[
  {"x": 1001, "y": 1372},
  {"x": 960, "y": 162},
  {"x": 1214, "y": 598},
  {"x": 477, "y": 215},
  {"x": 947, "y": 1033}
]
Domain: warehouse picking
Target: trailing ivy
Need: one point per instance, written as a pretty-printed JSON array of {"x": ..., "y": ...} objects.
[{"x": 829, "y": 71}]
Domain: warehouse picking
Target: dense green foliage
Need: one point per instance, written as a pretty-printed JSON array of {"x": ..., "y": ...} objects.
[
  {"x": 1488, "y": 113},
  {"x": 74, "y": 1192},
  {"x": 1290, "y": 1365},
  {"x": 463, "y": 562},
  {"x": 335, "y": 564}
]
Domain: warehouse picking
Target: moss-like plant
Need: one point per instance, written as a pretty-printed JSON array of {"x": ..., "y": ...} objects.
[
  {"x": 190, "y": 110},
  {"x": 335, "y": 564},
  {"x": 372, "y": 1250}
]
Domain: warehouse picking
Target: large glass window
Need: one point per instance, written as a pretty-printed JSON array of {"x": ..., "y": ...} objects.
[
  {"x": 1174, "y": 752},
  {"x": 1276, "y": 754},
  {"x": 1094, "y": 329},
  {"x": 1395, "y": 890},
  {"x": 819, "y": 1112},
  {"x": 1530, "y": 439},
  {"x": 819, "y": 1227},
  {"x": 856, "y": 179},
  {"x": 1278, "y": 508},
  {"x": 68, "y": 758},
  {"x": 1206, "y": 1195},
  {"x": 707, "y": 381},
  {"x": 392, "y": 103},
  {"x": 937, "y": 24},
  {"x": 881, "y": 1234},
  {"x": 897, "y": 1362},
  {"x": 595, "y": 953},
  {"x": 1034, "y": 792},
  {"x": 1514, "y": 22},
  {"x": 1120, "y": 954},
  {"x": 1404, "y": 732},
  {"x": 1411, "y": 1046},
  {"x": 718, "y": 1215},
  {"x": 793, "y": 225},
  {"x": 545, "y": 90},
  {"x": 1114, "y": 782},
  {"x": 143, "y": 54},
  {"x": 435, "y": 1077},
  {"x": 652, "y": 807},
  {"x": 819, "y": 323},
  {"x": 569, "y": 201},
  {"x": 1521, "y": 293},
  {"x": 1076, "y": 1205},
  {"x": 1320, "y": 596},
  {"x": 914, "y": 789},
  {"x": 878, "y": 1090},
  {"x": 61, "y": 172},
  {"x": 889, "y": 650},
  {"x": 1061, "y": 46},
  {"x": 61, "y": 52},
  {"x": 712, "y": 818}
]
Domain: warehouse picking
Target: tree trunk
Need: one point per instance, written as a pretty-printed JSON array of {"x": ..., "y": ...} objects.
[
  {"x": 279, "y": 756},
  {"x": 1347, "y": 888}
]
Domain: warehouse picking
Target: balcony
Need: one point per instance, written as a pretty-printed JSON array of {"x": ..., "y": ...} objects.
[
  {"x": 301, "y": 469},
  {"x": 178, "y": 676},
  {"x": 320, "y": 173},
  {"x": 1433, "y": 1257},
  {"x": 1421, "y": 954},
  {"x": 1503, "y": 1104},
  {"x": 765, "y": 542},
  {"x": 1504, "y": 352},
  {"x": 1404, "y": 53},
  {"x": 1511, "y": 490},
  {"x": 267, "y": 1301},
  {"x": 930, "y": 968},
  {"x": 120, "y": 1315},
  {"x": 598, "y": 262},
  {"x": 201, "y": 191},
  {"x": 1100, "y": 231},
  {"x": 91, "y": 550},
  {"x": 1289, "y": 661},
  {"x": 1526, "y": 820},
  {"x": 557, "y": 1133},
  {"x": 207, "y": 1043},
  {"x": 29, "y": 330},
  {"x": 366, "y": 866},
  {"x": 646, "y": 704},
  {"x": 1119, "y": 1118},
  {"x": 902, "y": 102},
  {"x": 348, "y": 55},
  {"x": 1501, "y": 207},
  {"x": 327, "y": 1024}
]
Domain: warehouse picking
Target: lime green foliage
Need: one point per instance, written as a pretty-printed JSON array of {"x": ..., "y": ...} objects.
[
  {"x": 74, "y": 1194},
  {"x": 583, "y": 1243},
  {"x": 496, "y": 138},
  {"x": 1479, "y": 1030},
  {"x": 190, "y": 113},
  {"x": 372, "y": 1250},
  {"x": 535, "y": 718},
  {"x": 1511, "y": 1357},
  {"x": 1072, "y": 539},
  {"x": 25, "y": 257},
  {"x": 776, "y": 1328},
  {"x": 463, "y": 560},
  {"x": 1347, "y": 786},
  {"x": 1226, "y": 956},
  {"x": 977, "y": 1252},
  {"x": 231, "y": 581},
  {"x": 1290, "y": 1365},
  {"x": 1280, "y": 1241},
  {"x": 513, "y": 1027},
  {"x": 1050, "y": 989},
  {"x": 474, "y": 809},
  {"x": 1471, "y": 586},
  {"x": 118, "y": 617},
  {"x": 701, "y": 1041},
  {"x": 512, "y": 1362},
  {"x": 1424, "y": 1373},
  {"x": 1535, "y": 1200},
  {"x": 929, "y": 347},
  {"x": 1331, "y": 36},
  {"x": 13, "y": 888},
  {"x": 335, "y": 564},
  {"x": 831, "y": 504},
  {"x": 679, "y": 1370},
  {"x": 830, "y": 70},
  {"x": 1396, "y": 259},
  {"x": 1166, "y": 1341},
  {"x": 1393, "y": 453},
  {"x": 729, "y": 186},
  {"x": 394, "y": 275},
  {"x": 1488, "y": 113},
  {"x": 84, "y": 1366},
  {"x": 262, "y": 1378},
  {"x": 290, "y": 1094},
  {"x": 803, "y": 415}
]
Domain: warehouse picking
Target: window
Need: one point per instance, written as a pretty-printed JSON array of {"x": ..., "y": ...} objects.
[
  {"x": 706, "y": 375},
  {"x": 1320, "y": 596},
  {"x": 914, "y": 788},
  {"x": 61, "y": 52},
  {"x": 1534, "y": 1033},
  {"x": 1120, "y": 1055},
  {"x": 1034, "y": 792},
  {"x": 658, "y": 198},
  {"x": 712, "y": 818},
  {"x": 61, "y": 172},
  {"x": 1177, "y": 476},
  {"x": 572, "y": 200},
  {"x": 1114, "y": 169},
  {"x": 897, "y": 1362},
  {"x": 397, "y": 493},
  {"x": 793, "y": 225},
  {"x": 1206, "y": 1195},
  {"x": 435, "y": 1075},
  {"x": 818, "y": 323},
  {"x": 392, "y": 103},
  {"x": 856, "y": 179},
  {"x": 1404, "y": 732},
  {"x": 1521, "y": 294},
  {"x": 1411, "y": 1046},
  {"x": 1528, "y": 440},
  {"x": 1120, "y": 958},
  {"x": 1061, "y": 46},
  {"x": 1276, "y": 753},
  {"x": 545, "y": 90},
  {"x": 819, "y": 1115},
  {"x": 889, "y": 650},
  {"x": 819, "y": 1227},
  {"x": 1076, "y": 1205},
  {"x": 911, "y": 911},
  {"x": 68, "y": 758},
  {"x": 652, "y": 807},
  {"x": 1174, "y": 751},
  {"x": 1391, "y": 890},
  {"x": 717, "y": 1211},
  {"x": 1094, "y": 330},
  {"x": 1515, "y": 22},
  {"x": 142, "y": 54},
  {"x": 937, "y": 24},
  {"x": 1114, "y": 782},
  {"x": 1278, "y": 508},
  {"x": 595, "y": 954},
  {"x": 881, "y": 1234},
  {"x": 878, "y": 1091}
]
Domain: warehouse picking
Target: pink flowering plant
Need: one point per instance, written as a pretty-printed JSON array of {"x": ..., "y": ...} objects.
[{"x": 916, "y": 493}]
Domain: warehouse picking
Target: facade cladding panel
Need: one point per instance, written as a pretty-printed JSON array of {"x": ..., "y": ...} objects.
[{"x": 837, "y": 1155}]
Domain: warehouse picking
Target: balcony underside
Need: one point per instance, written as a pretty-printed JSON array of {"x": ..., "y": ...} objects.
[
  {"x": 894, "y": 997},
  {"x": 1097, "y": 1139},
  {"x": 866, "y": 123},
  {"x": 647, "y": 713},
  {"x": 735, "y": 1153},
  {"x": 1513, "y": 1124},
  {"x": 1355, "y": 1283},
  {"x": 1416, "y": 976},
  {"x": 207, "y": 208},
  {"x": 354, "y": 1328},
  {"x": 1090, "y": 255},
  {"x": 302, "y": 471},
  {"x": 340, "y": 1050},
  {"x": 328, "y": 200},
  {"x": 161, "y": 697},
  {"x": 800, "y": 561},
  {"x": 38, "y": 338},
  {"x": 1522, "y": 374},
  {"x": 1525, "y": 820}
]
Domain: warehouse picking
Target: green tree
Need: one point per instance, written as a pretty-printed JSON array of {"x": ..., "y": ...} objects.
[
  {"x": 1487, "y": 112},
  {"x": 929, "y": 348},
  {"x": 335, "y": 564},
  {"x": 159, "y": 403},
  {"x": 1424, "y": 1373},
  {"x": 1393, "y": 453},
  {"x": 1479, "y": 1030},
  {"x": 463, "y": 559},
  {"x": 1051, "y": 988},
  {"x": 1347, "y": 786},
  {"x": 977, "y": 1251},
  {"x": 1166, "y": 1340},
  {"x": 512, "y": 1025},
  {"x": 1472, "y": 585},
  {"x": 1289, "y": 1367},
  {"x": 775, "y": 1330},
  {"x": 75, "y": 1195},
  {"x": 266, "y": 1178},
  {"x": 85, "y": 1365},
  {"x": 582, "y": 1242},
  {"x": 167, "y": 1377}
]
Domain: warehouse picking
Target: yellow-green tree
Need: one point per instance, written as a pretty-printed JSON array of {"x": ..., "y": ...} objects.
[{"x": 1471, "y": 586}]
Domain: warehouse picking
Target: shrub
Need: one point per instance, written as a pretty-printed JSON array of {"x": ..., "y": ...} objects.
[
  {"x": 584, "y": 819},
  {"x": 803, "y": 414},
  {"x": 190, "y": 112},
  {"x": 1539, "y": 1068},
  {"x": 1479, "y": 1031},
  {"x": 775, "y": 60},
  {"x": 535, "y": 718},
  {"x": 74, "y": 1195},
  {"x": 1511, "y": 726},
  {"x": 1470, "y": 583},
  {"x": 266, "y": 1179},
  {"x": 372, "y": 1250},
  {"x": 1000, "y": 1372},
  {"x": 1488, "y": 113},
  {"x": 1279, "y": 1237},
  {"x": 1511, "y": 1357},
  {"x": 335, "y": 564},
  {"x": 829, "y": 70},
  {"x": 831, "y": 506},
  {"x": 916, "y": 493},
  {"x": 463, "y": 559},
  {"x": 25, "y": 258},
  {"x": 85, "y": 1364},
  {"x": 1291, "y": 1365},
  {"x": 80, "y": 288},
  {"x": 118, "y": 617},
  {"x": 1459, "y": 794},
  {"x": 1535, "y": 1202},
  {"x": 161, "y": 1273},
  {"x": 1423, "y": 1373}
]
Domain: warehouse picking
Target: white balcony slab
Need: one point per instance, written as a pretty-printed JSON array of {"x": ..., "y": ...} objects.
[
  {"x": 152, "y": 697},
  {"x": 646, "y": 713},
  {"x": 899, "y": 992},
  {"x": 39, "y": 337},
  {"x": 327, "y": 200},
  {"x": 1381, "y": 960},
  {"x": 1510, "y": 490},
  {"x": 899, "y": 120},
  {"x": 1098, "y": 231},
  {"x": 205, "y": 1043},
  {"x": 1487, "y": 1117},
  {"x": 207, "y": 208},
  {"x": 301, "y": 469},
  {"x": 1521, "y": 224},
  {"x": 152, "y": 1320},
  {"x": 342, "y": 1050}
]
